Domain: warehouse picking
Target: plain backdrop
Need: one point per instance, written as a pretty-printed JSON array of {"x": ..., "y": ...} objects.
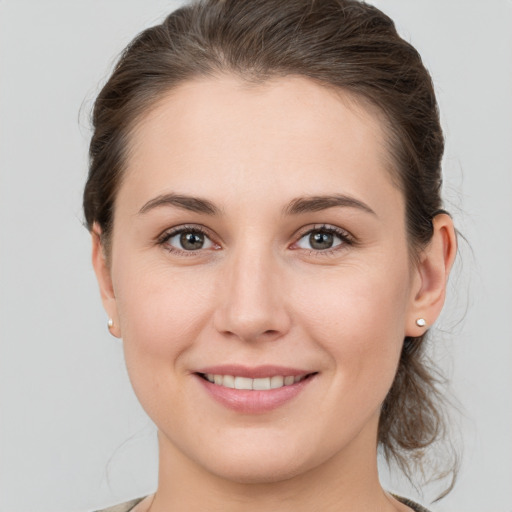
[{"x": 72, "y": 435}]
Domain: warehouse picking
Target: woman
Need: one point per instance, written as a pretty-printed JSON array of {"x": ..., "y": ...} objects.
[{"x": 269, "y": 242}]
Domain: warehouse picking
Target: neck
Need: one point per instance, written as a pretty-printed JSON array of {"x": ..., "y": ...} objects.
[{"x": 348, "y": 481}]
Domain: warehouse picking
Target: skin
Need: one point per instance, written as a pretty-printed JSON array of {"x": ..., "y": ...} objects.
[{"x": 259, "y": 293}]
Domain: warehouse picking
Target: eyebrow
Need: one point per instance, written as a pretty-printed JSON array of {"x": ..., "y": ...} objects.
[
  {"x": 190, "y": 203},
  {"x": 319, "y": 203},
  {"x": 295, "y": 207}
]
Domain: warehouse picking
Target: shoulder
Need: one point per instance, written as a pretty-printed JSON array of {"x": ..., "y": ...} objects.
[
  {"x": 128, "y": 506},
  {"x": 411, "y": 504}
]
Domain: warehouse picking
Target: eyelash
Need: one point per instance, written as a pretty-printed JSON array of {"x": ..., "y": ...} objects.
[
  {"x": 345, "y": 237},
  {"x": 166, "y": 236}
]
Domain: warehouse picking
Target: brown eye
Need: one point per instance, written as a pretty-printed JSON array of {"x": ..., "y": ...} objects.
[
  {"x": 189, "y": 240},
  {"x": 322, "y": 239},
  {"x": 192, "y": 241}
]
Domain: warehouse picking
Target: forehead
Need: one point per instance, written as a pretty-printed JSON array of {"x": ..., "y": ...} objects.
[{"x": 223, "y": 135}]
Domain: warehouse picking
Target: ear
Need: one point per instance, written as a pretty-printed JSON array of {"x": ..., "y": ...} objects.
[
  {"x": 429, "y": 286},
  {"x": 103, "y": 275}
]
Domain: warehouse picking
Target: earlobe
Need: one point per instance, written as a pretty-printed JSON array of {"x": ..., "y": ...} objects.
[
  {"x": 432, "y": 271},
  {"x": 103, "y": 275}
]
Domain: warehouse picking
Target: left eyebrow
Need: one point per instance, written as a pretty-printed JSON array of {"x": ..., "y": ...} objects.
[{"x": 319, "y": 203}]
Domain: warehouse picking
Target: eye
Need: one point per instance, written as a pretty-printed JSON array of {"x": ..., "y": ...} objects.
[
  {"x": 323, "y": 238},
  {"x": 187, "y": 239}
]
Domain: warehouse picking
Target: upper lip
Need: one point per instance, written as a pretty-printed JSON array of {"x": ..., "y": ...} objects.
[{"x": 254, "y": 372}]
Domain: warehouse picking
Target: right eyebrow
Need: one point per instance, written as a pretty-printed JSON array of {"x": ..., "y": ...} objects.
[{"x": 190, "y": 203}]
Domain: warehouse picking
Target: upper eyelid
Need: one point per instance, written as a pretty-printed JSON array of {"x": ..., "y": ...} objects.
[
  {"x": 170, "y": 232},
  {"x": 325, "y": 227}
]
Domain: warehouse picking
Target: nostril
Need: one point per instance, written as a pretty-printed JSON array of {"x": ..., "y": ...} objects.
[{"x": 251, "y": 321}]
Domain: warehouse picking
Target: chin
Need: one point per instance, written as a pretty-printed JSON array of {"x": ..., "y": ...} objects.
[
  {"x": 261, "y": 463},
  {"x": 257, "y": 472}
]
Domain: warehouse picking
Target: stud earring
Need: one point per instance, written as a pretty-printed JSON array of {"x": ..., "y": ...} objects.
[
  {"x": 110, "y": 323},
  {"x": 420, "y": 322}
]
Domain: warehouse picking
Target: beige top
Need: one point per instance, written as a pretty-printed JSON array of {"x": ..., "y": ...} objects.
[
  {"x": 143, "y": 504},
  {"x": 137, "y": 505}
]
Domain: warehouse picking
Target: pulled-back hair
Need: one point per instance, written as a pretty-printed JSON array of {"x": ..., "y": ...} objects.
[{"x": 342, "y": 44}]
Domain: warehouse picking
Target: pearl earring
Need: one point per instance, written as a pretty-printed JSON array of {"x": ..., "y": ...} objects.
[
  {"x": 110, "y": 323},
  {"x": 420, "y": 322}
]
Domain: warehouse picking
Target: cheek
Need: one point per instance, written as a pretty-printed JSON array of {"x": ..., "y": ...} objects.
[
  {"x": 162, "y": 314},
  {"x": 357, "y": 315},
  {"x": 161, "y": 311}
]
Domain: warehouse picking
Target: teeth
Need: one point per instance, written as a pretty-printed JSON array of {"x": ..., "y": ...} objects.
[
  {"x": 276, "y": 382},
  {"x": 242, "y": 383},
  {"x": 260, "y": 384},
  {"x": 228, "y": 381}
]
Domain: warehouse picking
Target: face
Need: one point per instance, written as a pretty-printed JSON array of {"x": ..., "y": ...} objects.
[{"x": 259, "y": 242}]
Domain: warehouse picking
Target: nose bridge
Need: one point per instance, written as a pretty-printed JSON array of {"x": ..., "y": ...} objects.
[{"x": 251, "y": 305}]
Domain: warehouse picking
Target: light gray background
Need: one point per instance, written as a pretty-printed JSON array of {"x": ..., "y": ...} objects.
[{"x": 73, "y": 436}]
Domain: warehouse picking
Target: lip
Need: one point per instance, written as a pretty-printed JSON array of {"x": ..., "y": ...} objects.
[{"x": 251, "y": 401}]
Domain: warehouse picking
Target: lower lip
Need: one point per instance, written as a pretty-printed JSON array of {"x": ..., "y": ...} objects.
[{"x": 247, "y": 401}]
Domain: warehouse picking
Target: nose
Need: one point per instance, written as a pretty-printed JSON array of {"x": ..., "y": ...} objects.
[{"x": 252, "y": 303}]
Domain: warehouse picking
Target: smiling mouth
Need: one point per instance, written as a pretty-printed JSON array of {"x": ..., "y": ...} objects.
[{"x": 259, "y": 384}]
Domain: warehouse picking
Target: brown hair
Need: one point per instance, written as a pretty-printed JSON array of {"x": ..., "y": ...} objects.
[{"x": 345, "y": 44}]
